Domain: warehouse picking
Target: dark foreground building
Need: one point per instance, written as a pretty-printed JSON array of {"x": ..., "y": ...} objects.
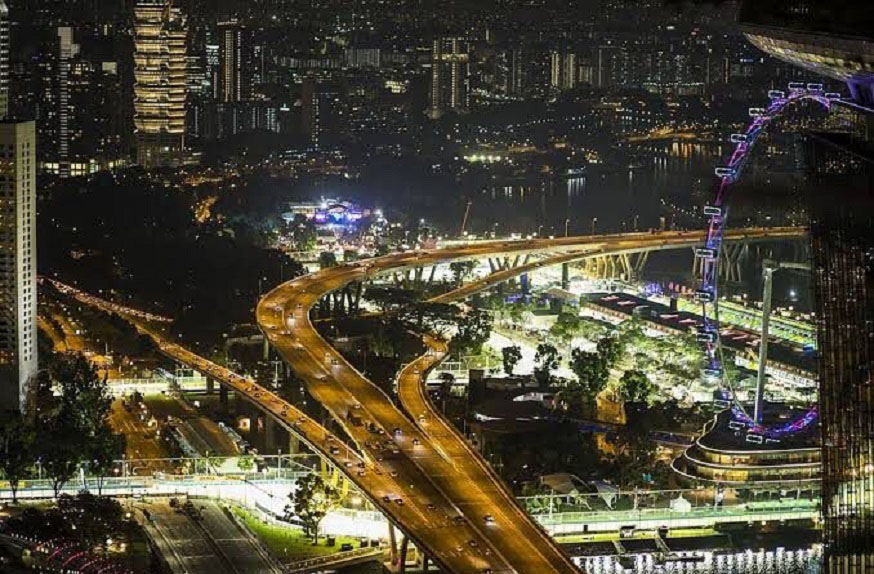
[
  {"x": 842, "y": 237},
  {"x": 835, "y": 38}
]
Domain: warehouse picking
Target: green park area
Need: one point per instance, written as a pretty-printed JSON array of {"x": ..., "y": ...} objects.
[{"x": 288, "y": 543}]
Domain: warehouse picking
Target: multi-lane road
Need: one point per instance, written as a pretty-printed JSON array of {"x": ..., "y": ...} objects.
[
  {"x": 439, "y": 476},
  {"x": 205, "y": 540}
]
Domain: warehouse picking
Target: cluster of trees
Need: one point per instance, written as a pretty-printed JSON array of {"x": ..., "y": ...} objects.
[
  {"x": 569, "y": 324},
  {"x": 65, "y": 427},
  {"x": 474, "y": 329},
  {"x": 87, "y": 519}
]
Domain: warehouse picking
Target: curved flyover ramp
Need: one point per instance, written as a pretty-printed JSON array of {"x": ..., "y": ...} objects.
[{"x": 440, "y": 492}]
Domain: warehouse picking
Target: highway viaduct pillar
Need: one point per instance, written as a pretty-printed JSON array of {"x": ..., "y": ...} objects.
[
  {"x": 210, "y": 385},
  {"x": 223, "y": 395}
]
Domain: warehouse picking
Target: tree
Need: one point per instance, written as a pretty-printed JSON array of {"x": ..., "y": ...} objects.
[
  {"x": 461, "y": 269},
  {"x": 546, "y": 360},
  {"x": 566, "y": 326},
  {"x": 327, "y": 259},
  {"x": 246, "y": 463},
  {"x": 72, "y": 427},
  {"x": 511, "y": 356},
  {"x": 474, "y": 329},
  {"x": 311, "y": 501},
  {"x": 611, "y": 349},
  {"x": 591, "y": 371},
  {"x": 84, "y": 396},
  {"x": 104, "y": 449},
  {"x": 635, "y": 387},
  {"x": 61, "y": 452},
  {"x": 16, "y": 450}
]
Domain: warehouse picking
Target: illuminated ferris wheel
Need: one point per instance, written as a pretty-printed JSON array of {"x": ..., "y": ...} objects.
[{"x": 709, "y": 253}]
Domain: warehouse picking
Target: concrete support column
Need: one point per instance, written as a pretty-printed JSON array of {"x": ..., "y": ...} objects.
[
  {"x": 392, "y": 544},
  {"x": 293, "y": 444},
  {"x": 565, "y": 276},
  {"x": 265, "y": 349},
  {"x": 210, "y": 385},
  {"x": 402, "y": 566},
  {"x": 223, "y": 395},
  {"x": 269, "y": 434}
]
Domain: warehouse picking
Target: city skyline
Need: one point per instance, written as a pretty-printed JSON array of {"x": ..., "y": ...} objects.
[{"x": 466, "y": 287}]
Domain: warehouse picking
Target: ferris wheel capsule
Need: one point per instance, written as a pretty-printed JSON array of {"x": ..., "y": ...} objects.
[
  {"x": 706, "y": 336},
  {"x": 739, "y": 138},
  {"x": 706, "y": 253},
  {"x": 712, "y": 211},
  {"x": 796, "y": 86},
  {"x": 833, "y": 96},
  {"x": 814, "y": 87},
  {"x": 776, "y": 94},
  {"x": 757, "y": 112},
  {"x": 704, "y": 296}
]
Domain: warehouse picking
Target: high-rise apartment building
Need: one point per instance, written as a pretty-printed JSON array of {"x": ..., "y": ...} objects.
[
  {"x": 4, "y": 59},
  {"x": 450, "y": 76},
  {"x": 18, "y": 348},
  {"x": 562, "y": 70},
  {"x": 235, "y": 62},
  {"x": 160, "y": 84}
]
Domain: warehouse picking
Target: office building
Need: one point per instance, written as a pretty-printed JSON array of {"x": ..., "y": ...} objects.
[
  {"x": 159, "y": 88},
  {"x": 450, "y": 76},
  {"x": 18, "y": 346}
]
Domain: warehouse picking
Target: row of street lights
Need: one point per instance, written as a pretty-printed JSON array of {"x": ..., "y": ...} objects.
[{"x": 567, "y": 223}]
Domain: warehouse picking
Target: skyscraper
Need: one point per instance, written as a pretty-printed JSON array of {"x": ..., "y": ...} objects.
[
  {"x": 18, "y": 348},
  {"x": 4, "y": 60},
  {"x": 450, "y": 76},
  {"x": 235, "y": 62},
  {"x": 159, "y": 89}
]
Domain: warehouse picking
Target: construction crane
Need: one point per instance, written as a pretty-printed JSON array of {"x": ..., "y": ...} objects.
[{"x": 466, "y": 213}]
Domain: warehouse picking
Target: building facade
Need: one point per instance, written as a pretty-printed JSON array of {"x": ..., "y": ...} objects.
[
  {"x": 450, "y": 76},
  {"x": 160, "y": 82},
  {"x": 235, "y": 62},
  {"x": 18, "y": 347},
  {"x": 842, "y": 237},
  {"x": 4, "y": 59}
]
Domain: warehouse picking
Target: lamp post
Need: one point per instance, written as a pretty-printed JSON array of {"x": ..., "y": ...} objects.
[
  {"x": 566, "y": 224},
  {"x": 594, "y": 221}
]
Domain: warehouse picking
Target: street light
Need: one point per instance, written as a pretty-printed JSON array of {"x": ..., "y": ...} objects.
[
  {"x": 594, "y": 221},
  {"x": 566, "y": 223}
]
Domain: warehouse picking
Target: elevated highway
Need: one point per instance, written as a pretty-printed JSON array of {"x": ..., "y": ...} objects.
[
  {"x": 447, "y": 498},
  {"x": 422, "y": 475}
]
